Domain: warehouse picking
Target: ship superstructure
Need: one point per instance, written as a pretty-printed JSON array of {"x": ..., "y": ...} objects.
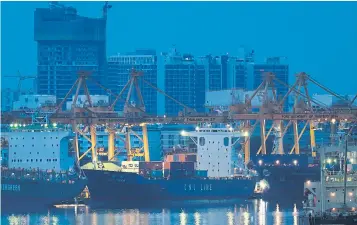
[
  {"x": 38, "y": 172},
  {"x": 43, "y": 147},
  {"x": 329, "y": 192}
]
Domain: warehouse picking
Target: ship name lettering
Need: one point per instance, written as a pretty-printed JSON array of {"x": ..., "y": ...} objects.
[{"x": 10, "y": 187}]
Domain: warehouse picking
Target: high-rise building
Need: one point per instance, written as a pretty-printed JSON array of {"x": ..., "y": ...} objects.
[
  {"x": 66, "y": 44},
  {"x": 279, "y": 69},
  {"x": 119, "y": 69},
  {"x": 225, "y": 72},
  {"x": 185, "y": 81}
]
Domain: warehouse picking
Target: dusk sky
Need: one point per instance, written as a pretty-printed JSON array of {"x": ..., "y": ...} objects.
[{"x": 319, "y": 38}]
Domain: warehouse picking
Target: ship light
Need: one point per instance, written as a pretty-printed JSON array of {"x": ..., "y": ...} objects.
[
  {"x": 54, "y": 124},
  {"x": 328, "y": 161},
  {"x": 46, "y": 124},
  {"x": 308, "y": 182},
  {"x": 333, "y": 121},
  {"x": 277, "y": 162},
  {"x": 230, "y": 129},
  {"x": 295, "y": 162},
  {"x": 351, "y": 160},
  {"x": 350, "y": 194},
  {"x": 183, "y": 133},
  {"x": 260, "y": 162},
  {"x": 353, "y": 208},
  {"x": 246, "y": 134},
  {"x": 197, "y": 128},
  {"x": 333, "y": 209},
  {"x": 263, "y": 185}
]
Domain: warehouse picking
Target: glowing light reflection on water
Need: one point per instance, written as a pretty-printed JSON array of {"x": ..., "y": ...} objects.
[{"x": 256, "y": 212}]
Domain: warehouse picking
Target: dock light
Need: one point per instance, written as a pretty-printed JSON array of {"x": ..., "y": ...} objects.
[
  {"x": 230, "y": 129},
  {"x": 54, "y": 124},
  {"x": 350, "y": 194},
  {"x": 335, "y": 160},
  {"x": 308, "y": 182},
  {"x": 333, "y": 209},
  {"x": 260, "y": 162},
  {"x": 183, "y": 133},
  {"x": 277, "y": 162},
  {"x": 353, "y": 208},
  {"x": 23, "y": 125},
  {"x": 228, "y": 125},
  {"x": 46, "y": 124},
  {"x": 246, "y": 134},
  {"x": 333, "y": 121},
  {"x": 197, "y": 128},
  {"x": 295, "y": 162},
  {"x": 332, "y": 194},
  {"x": 351, "y": 160},
  {"x": 20, "y": 125},
  {"x": 15, "y": 125},
  {"x": 11, "y": 125},
  {"x": 328, "y": 161}
]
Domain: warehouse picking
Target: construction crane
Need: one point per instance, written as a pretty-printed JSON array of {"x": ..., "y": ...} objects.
[
  {"x": 21, "y": 78},
  {"x": 105, "y": 9}
]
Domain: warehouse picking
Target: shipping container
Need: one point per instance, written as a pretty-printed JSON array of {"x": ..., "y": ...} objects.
[
  {"x": 167, "y": 165},
  {"x": 176, "y": 158},
  {"x": 201, "y": 173},
  {"x": 169, "y": 158},
  {"x": 191, "y": 158},
  {"x": 182, "y": 157},
  {"x": 151, "y": 165}
]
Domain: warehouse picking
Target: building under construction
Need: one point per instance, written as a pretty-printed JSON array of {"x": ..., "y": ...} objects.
[{"x": 66, "y": 43}]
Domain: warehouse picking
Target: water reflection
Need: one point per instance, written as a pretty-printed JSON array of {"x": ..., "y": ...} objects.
[{"x": 256, "y": 212}]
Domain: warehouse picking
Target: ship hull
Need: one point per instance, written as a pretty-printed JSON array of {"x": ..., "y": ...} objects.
[
  {"x": 21, "y": 194},
  {"x": 131, "y": 189},
  {"x": 286, "y": 185}
]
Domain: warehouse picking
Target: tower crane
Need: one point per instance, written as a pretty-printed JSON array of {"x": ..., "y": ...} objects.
[{"x": 19, "y": 85}]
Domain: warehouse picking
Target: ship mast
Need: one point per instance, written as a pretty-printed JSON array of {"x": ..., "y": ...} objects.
[{"x": 345, "y": 179}]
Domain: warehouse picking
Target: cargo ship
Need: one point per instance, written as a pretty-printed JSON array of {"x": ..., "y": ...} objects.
[
  {"x": 285, "y": 174},
  {"x": 39, "y": 169},
  {"x": 209, "y": 176}
]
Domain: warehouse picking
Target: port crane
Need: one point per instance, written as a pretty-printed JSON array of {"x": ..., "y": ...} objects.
[{"x": 247, "y": 117}]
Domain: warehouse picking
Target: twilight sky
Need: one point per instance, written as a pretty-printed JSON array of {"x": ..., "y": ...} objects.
[{"x": 319, "y": 38}]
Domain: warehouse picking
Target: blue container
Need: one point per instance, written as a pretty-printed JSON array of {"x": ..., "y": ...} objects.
[{"x": 201, "y": 173}]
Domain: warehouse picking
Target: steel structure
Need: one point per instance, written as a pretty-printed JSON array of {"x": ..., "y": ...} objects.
[{"x": 242, "y": 114}]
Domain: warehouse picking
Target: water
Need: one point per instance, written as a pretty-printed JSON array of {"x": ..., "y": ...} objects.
[{"x": 255, "y": 212}]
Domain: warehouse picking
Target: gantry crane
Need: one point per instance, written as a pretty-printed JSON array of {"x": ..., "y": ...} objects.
[{"x": 135, "y": 115}]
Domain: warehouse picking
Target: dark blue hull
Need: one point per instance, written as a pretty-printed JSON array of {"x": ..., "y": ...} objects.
[
  {"x": 21, "y": 194},
  {"x": 132, "y": 189}
]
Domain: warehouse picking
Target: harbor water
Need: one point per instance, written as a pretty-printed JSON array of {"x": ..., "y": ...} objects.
[{"x": 254, "y": 212}]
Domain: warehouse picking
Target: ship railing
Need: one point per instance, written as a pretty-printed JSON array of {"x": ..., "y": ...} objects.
[{"x": 37, "y": 175}]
